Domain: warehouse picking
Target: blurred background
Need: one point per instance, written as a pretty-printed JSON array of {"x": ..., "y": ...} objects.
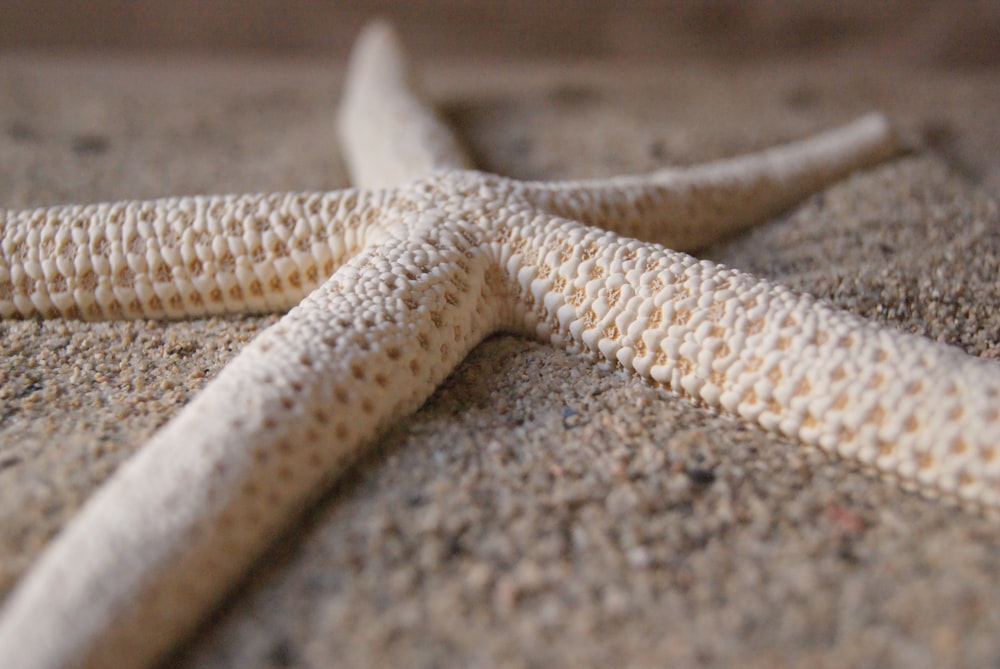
[{"x": 946, "y": 33}]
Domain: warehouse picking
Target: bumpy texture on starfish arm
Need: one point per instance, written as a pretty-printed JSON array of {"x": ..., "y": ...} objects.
[
  {"x": 389, "y": 135},
  {"x": 687, "y": 209},
  {"x": 909, "y": 408},
  {"x": 177, "y": 257}
]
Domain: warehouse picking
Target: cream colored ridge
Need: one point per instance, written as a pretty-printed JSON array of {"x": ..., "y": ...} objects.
[{"x": 391, "y": 286}]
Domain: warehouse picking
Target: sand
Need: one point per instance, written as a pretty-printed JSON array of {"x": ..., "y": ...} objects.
[{"x": 538, "y": 511}]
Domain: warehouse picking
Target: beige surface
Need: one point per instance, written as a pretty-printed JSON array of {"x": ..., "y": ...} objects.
[{"x": 538, "y": 511}]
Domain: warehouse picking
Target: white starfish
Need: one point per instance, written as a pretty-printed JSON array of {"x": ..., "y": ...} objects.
[{"x": 418, "y": 274}]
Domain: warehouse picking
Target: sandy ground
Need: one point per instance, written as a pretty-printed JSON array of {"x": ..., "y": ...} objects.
[{"x": 538, "y": 511}]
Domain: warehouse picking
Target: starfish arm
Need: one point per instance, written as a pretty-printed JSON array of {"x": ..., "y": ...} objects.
[
  {"x": 172, "y": 531},
  {"x": 178, "y": 257},
  {"x": 389, "y": 135},
  {"x": 914, "y": 410},
  {"x": 689, "y": 208}
]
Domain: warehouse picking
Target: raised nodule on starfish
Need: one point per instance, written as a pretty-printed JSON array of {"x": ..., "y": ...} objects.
[{"x": 409, "y": 279}]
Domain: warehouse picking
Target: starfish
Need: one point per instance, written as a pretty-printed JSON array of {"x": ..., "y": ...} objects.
[{"x": 390, "y": 285}]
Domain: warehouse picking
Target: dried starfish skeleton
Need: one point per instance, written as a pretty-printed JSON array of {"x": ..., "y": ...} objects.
[{"x": 418, "y": 274}]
